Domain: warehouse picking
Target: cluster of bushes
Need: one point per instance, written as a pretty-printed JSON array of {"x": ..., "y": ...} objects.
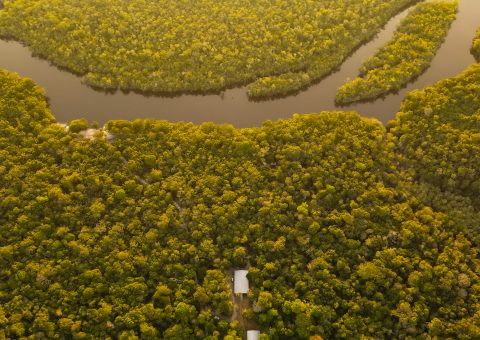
[
  {"x": 187, "y": 46},
  {"x": 348, "y": 229},
  {"x": 406, "y": 56},
  {"x": 268, "y": 87},
  {"x": 476, "y": 45},
  {"x": 289, "y": 83}
]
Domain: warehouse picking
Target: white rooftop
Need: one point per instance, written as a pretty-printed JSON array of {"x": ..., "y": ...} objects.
[
  {"x": 240, "y": 282},
  {"x": 253, "y": 335}
]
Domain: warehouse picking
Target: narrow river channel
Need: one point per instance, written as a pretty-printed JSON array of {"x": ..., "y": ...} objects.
[{"x": 70, "y": 99}]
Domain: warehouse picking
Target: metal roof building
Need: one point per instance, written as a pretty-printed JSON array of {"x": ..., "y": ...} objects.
[
  {"x": 240, "y": 282},
  {"x": 253, "y": 335}
]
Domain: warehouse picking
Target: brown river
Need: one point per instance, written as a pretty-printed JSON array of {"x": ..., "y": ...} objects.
[{"x": 70, "y": 99}]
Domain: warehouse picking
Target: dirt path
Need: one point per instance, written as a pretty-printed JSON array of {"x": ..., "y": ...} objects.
[{"x": 240, "y": 303}]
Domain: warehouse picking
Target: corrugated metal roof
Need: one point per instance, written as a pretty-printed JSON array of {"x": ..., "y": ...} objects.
[
  {"x": 240, "y": 283},
  {"x": 253, "y": 335}
]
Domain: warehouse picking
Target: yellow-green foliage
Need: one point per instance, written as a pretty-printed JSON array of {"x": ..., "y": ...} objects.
[
  {"x": 22, "y": 103},
  {"x": 476, "y": 45},
  {"x": 437, "y": 132},
  {"x": 292, "y": 82},
  {"x": 278, "y": 85},
  {"x": 406, "y": 56},
  {"x": 185, "y": 46},
  {"x": 134, "y": 238}
]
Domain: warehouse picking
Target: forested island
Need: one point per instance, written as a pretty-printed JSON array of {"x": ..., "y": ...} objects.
[{"x": 349, "y": 229}]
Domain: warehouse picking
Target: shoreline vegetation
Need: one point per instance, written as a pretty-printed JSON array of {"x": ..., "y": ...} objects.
[
  {"x": 280, "y": 50},
  {"x": 349, "y": 228},
  {"x": 290, "y": 83},
  {"x": 406, "y": 56},
  {"x": 476, "y": 45}
]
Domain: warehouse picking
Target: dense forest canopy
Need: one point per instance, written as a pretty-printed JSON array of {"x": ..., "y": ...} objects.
[
  {"x": 437, "y": 130},
  {"x": 406, "y": 56},
  {"x": 346, "y": 230},
  {"x": 184, "y": 46},
  {"x": 349, "y": 229}
]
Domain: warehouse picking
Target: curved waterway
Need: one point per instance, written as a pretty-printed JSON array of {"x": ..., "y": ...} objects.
[{"x": 71, "y": 99}]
